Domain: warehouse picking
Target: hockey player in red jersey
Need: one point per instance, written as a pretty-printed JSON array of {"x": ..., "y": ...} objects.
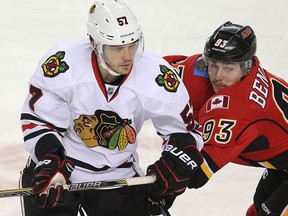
[
  {"x": 245, "y": 121},
  {"x": 87, "y": 102},
  {"x": 193, "y": 72}
]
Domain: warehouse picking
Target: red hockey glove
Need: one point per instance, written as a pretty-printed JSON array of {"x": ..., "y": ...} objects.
[
  {"x": 48, "y": 183},
  {"x": 251, "y": 211},
  {"x": 180, "y": 158}
]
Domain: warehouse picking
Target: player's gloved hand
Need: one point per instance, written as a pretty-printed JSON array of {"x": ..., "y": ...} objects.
[
  {"x": 49, "y": 181},
  {"x": 179, "y": 159},
  {"x": 153, "y": 205},
  {"x": 160, "y": 205}
]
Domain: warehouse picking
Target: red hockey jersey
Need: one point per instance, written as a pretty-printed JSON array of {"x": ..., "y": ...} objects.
[
  {"x": 192, "y": 71},
  {"x": 246, "y": 123}
]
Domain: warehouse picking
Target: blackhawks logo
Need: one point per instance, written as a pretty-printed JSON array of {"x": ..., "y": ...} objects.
[
  {"x": 54, "y": 65},
  {"x": 167, "y": 79},
  {"x": 106, "y": 129}
]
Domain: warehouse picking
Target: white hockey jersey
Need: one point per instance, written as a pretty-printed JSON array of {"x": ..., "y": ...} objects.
[{"x": 96, "y": 123}]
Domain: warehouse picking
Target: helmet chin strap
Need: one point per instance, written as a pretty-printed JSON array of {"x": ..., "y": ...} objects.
[
  {"x": 104, "y": 65},
  {"x": 101, "y": 60},
  {"x": 113, "y": 73}
]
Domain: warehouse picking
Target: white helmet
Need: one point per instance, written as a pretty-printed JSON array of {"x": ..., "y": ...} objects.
[{"x": 111, "y": 22}]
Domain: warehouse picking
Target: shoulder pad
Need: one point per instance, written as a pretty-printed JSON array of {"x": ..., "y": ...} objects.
[{"x": 200, "y": 68}]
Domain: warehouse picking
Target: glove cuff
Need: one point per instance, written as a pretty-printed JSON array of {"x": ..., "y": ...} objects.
[{"x": 66, "y": 168}]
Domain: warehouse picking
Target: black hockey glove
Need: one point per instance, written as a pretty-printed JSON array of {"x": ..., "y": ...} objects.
[
  {"x": 156, "y": 205},
  {"x": 161, "y": 206},
  {"x": 180, "y": 158},
  {"x": 49, "y": 181}
]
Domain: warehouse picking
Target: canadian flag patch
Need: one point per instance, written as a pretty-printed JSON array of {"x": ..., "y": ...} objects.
[{"x": 218, "y": 102}]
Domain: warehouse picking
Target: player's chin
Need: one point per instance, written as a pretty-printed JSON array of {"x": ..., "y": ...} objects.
[
  {"x": 218, "y": 87},
  {"x": 215, "y": 88},
  {"x": 124, "y": 69}
]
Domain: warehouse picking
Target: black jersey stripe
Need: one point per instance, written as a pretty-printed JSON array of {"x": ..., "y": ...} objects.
[{"x": 26, "y": 116}]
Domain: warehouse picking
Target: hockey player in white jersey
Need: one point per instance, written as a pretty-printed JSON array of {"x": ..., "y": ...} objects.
[{"x": 87, "y": 102}]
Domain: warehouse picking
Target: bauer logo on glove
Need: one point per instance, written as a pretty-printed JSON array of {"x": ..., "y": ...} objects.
[{"x": 181, "y": 155}]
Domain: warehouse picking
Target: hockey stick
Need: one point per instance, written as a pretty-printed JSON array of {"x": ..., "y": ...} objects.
[
  {"x": 163, "y": 211},
  {"x": 140, "y": 172},
  {"x": 85, "y": 186}
]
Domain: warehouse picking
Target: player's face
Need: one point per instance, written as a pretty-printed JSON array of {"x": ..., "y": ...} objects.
[
  {"x": 120, "y": 58},
  {"x": 223, "y": 74}
]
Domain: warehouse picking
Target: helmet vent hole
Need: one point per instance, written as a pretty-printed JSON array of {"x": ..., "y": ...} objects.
[{"x": 110, "y": 37}]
